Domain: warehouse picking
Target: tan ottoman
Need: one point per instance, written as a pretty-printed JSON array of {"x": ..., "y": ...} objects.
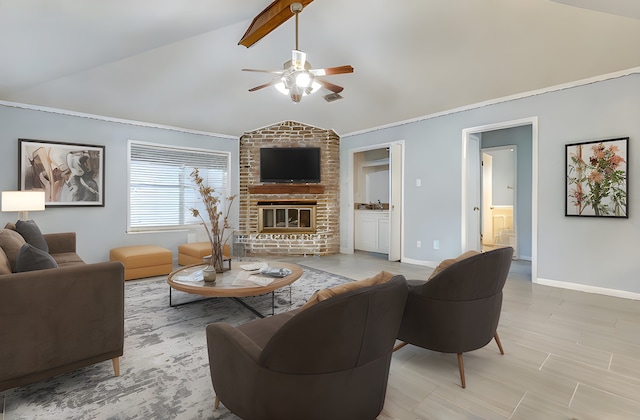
[
  {"x": 194, "y": 252},
  {"x": 143, "y": 260}
]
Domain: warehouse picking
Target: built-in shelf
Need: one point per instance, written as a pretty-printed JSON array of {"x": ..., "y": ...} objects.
[{"x": 286, "y": 189}]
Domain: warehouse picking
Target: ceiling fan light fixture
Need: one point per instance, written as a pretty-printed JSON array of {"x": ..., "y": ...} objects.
[
  {"x": 315, "y": 86},
  {"x": 303, "y": 79},
  {"x": 297, "y": 78},
  {"x": 298, "y": 59},
  {"x": 281, "y": 87},
  {"x": 297, "y": 84}
]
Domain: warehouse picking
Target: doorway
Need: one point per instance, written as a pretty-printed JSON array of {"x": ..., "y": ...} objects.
[
  {"x": 499, "y": 203},
  {"x": 527, "y": 200},
  {"x": 376, "y": 197}
]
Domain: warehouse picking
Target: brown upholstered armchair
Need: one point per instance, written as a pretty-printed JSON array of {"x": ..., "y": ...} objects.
[
  {"x": 328, "y": 361},
  {"x": 458, "y": 309}
]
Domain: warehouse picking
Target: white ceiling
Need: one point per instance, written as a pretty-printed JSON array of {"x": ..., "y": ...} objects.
[{"x": 177, "y": 63}]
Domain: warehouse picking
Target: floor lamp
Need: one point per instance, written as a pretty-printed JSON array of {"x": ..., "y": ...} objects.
[{"x": 22, "y": 202}]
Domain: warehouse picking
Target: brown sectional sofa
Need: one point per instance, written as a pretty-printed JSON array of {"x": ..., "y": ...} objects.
[{"x": 60, "y": 319}]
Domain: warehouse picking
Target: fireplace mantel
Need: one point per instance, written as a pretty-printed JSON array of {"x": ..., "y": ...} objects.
[{"x": 286, "y": 189}]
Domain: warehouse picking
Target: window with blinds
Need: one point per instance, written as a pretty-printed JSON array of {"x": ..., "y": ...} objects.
[{"x": 161, "y": 190}]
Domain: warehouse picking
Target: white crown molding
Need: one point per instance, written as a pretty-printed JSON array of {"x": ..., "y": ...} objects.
[{"x": 112, "y": 120}]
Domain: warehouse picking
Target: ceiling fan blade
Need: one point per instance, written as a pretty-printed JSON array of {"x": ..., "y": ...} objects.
[
  {"x": 253, "y": 89},
  {"x": 330, "y": 86},
  {"x": 265, "y": 71},
  {"x": 330, "y": 71}
]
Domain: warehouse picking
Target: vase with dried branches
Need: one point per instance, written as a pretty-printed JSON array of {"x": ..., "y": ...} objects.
[{"x": 218, "y": 223}]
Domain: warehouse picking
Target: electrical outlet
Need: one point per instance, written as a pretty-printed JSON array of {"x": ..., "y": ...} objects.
[
  {"x": 436, "y": 244},
  {"x": 419, "y": 244}
]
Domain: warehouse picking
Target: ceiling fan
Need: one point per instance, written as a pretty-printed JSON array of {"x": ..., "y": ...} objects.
[{"x": 297, "y": 78}]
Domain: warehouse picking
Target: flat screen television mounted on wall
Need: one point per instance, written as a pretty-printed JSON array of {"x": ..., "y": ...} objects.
[{"x": 290, "y": 165}]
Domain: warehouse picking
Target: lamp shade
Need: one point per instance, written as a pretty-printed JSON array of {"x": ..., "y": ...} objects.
[{"x": 22, "y": 200}]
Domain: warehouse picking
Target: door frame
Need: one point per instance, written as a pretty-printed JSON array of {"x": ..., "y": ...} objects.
[
  {"x": 350, "y": 231},
  {"x": 471, "y": 193},
  {"x": 467, "y": 137}
]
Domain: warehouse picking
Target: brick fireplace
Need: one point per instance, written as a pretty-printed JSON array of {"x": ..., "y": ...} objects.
[{"x": 266, "y": 203}]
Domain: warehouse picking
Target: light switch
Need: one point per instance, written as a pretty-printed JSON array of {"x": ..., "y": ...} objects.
[{"x": 418, "y": 182}]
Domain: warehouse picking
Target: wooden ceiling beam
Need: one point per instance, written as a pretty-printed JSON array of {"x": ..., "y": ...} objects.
[{"x": 269, "y": 19}]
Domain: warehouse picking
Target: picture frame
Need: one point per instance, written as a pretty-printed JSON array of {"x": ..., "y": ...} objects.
[
  {"x": 71, "y": 174},
  {"x": 596, "y": 180}
]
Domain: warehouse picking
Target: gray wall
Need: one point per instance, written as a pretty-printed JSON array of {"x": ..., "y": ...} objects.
[
  {"x": 598, "y": 252},
  {"x": 521, "y": 137},
  {"x": 98, "y": 228}
]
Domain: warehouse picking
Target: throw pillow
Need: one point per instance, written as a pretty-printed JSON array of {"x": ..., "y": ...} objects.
[
  {"x": 31, "y": 258},
  {"x": 31, "y": 234},
  {"x": 10, "y": 242},
  {"x": 320, "y": 295},
  {"x": 5, "y": 267},
  {"x": 446, "y": 263},
  {"x": 10, "y": 225}
]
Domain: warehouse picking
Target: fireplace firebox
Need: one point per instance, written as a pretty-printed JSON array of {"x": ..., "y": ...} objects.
[{"x": 287, "y": 216}]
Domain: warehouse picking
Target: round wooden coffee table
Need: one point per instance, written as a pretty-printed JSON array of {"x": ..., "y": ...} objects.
[{"x": 234, "y": 283}]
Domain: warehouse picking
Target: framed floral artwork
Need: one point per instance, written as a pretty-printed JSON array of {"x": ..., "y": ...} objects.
[
  {"x": 70, "y": 174},
  {"x": 597, "y": 178}
]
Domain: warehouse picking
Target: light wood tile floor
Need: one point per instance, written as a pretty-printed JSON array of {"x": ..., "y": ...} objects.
[{"x": 568, "y": 355}]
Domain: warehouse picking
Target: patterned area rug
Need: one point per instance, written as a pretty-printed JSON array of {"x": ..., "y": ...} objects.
[{"x": 164, "y": 373}]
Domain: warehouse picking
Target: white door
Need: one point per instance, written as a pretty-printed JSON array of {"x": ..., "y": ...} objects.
[
  {"x": 472, "y": 201},
  {"x": 395, "y": 202},
  {"x": 487, "y": 216}
]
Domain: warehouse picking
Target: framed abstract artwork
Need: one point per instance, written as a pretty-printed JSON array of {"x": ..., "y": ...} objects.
[
  {"x": 70, "y": 174},
  {"x": 597, "y": 178}
]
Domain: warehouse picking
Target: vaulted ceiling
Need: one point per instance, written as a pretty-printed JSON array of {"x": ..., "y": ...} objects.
[{"x": 178, "y": 63}]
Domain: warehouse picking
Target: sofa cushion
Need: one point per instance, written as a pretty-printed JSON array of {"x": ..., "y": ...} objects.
[
  {"x": 32, "y": 234},
  {"x": 10, "y": 242},
  {"x": 446, "y": 263},
  {"x": 31, "y": 258},
  {"x": 67, "y": 258},
  {"x": 320, "y": 295},
  {"x": 5, "y": 267}
]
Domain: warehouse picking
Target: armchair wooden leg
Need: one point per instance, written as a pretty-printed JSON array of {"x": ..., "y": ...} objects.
[
  {"x": 399, "y": 346},
  {"x": 116, "y": 366},
  {"x": 497, "y": 338},
  {"x": 216, "y": 403},
  {"x": 461, "y": 367}
]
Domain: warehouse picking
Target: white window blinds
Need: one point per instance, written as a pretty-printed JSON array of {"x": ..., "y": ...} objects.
[{"x": 161, "y": 190}]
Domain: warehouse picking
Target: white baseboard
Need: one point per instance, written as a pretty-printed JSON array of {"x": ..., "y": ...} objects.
[
  {"x": 431, "y": 264},
  {"x": 589, "y": 289}
]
